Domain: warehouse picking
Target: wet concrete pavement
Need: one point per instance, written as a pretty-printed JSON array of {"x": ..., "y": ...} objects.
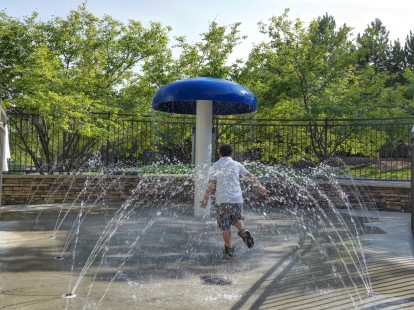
[{"x": 153, "y": 258}]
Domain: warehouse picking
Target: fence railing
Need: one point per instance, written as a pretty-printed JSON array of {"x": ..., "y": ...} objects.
[{"x": 370, "y": 148}]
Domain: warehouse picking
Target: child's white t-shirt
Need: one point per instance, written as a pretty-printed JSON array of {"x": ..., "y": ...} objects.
[{"x": 226, "y": 172}]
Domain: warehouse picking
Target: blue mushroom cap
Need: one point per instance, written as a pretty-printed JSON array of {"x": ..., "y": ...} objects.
[{"x": 181, "y": 96}]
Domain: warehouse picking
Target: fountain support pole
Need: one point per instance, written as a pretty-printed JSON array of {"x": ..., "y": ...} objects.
[
  {"x": 203, "y": 151},
  {"x": 412, "y": 181}
]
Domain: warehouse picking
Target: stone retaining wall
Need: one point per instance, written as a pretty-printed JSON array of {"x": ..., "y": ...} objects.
[
  {"x": 38, "y": 189},
  {"x": 382, "y": 195}
]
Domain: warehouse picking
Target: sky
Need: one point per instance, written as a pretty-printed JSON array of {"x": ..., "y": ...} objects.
[{"x": 192, "y": 17}]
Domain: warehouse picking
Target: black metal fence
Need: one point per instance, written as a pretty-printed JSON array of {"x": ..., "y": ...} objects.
[{"x": 369, "y": 148}]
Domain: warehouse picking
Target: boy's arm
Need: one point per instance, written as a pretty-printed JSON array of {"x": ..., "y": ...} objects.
[
  {"x": 256, "y": 182},
  {"x": 210, "y": 186}
]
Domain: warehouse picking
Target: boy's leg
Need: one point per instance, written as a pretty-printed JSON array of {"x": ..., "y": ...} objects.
[
  {"x": 244, "y": 234},
  {"x": 247, "y": 237},
  {"x": 227, "y": 237},
  {"x": 239, "y": 224},
  {"x": 228, "y": 247},
  {"x": 223, "y": 221}
]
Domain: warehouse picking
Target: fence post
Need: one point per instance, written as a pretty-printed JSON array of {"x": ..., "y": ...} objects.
[
  {"x": 325, "y": 147},
  {"x": 3, "y": 128},
  {"x": 107, "y": 142},
  {"x": 412, "y": 181}
]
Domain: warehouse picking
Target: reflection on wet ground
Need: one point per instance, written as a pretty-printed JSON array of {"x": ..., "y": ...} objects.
[{"x": 151, "y": 258}]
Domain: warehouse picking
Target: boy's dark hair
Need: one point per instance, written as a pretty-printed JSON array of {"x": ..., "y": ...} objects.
[{"x": 225, "y": 150}]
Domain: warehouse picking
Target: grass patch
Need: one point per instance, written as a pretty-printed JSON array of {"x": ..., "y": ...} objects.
[
  {"x": 166, "y": 169},
  {"x": 369, "y": 172},
  {"x": 374, "y": 172}
]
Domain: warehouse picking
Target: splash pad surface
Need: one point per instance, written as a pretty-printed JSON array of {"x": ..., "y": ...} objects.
[{"x": 155, "y": 260}]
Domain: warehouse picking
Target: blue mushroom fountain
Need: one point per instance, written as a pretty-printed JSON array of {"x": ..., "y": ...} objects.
[{"x": 204, "y": 97}]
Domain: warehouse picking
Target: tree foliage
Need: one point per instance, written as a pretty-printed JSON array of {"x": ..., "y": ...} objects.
[
  {"x": 70, "y": 72},
  {"x": 76, "y": 71},
  {"x": 299, "y": 70}
]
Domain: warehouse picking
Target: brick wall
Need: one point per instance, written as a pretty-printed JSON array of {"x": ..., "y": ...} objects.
[
  {"x": 384, "y": 195},
  {"x": 37, "y": 189}
]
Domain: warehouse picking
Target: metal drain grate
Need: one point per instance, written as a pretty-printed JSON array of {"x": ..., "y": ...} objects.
[{"x": 215, "y": 279}]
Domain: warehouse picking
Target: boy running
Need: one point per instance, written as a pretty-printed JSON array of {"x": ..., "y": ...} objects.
[{"x": 225, "y": 178}]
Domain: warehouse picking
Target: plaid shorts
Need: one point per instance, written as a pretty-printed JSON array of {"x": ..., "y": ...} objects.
[{"x": 228, "y": 214}]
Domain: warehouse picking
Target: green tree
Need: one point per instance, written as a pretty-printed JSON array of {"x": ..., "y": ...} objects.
[
  {"x": 209, "y": 57},
  {"x": 296, "y": 70},
  {"x": 409, "y": 50},
  {"x": 396, "y": 64},
  {"x": 300, "y": 72},
  {"x": 402, "y": 96},
  {"x": 15, "y": 50},
  {"x": 380, "y": 73},
  {"x": 72, "y": 73},
  {"x": 156, "y": 71},
  {"x": 373, "y": 46}
]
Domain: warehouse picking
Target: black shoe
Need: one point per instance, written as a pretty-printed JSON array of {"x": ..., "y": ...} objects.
[
  {"x": 228, "y": 251},
  {"x": 247, "y": 238}
]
